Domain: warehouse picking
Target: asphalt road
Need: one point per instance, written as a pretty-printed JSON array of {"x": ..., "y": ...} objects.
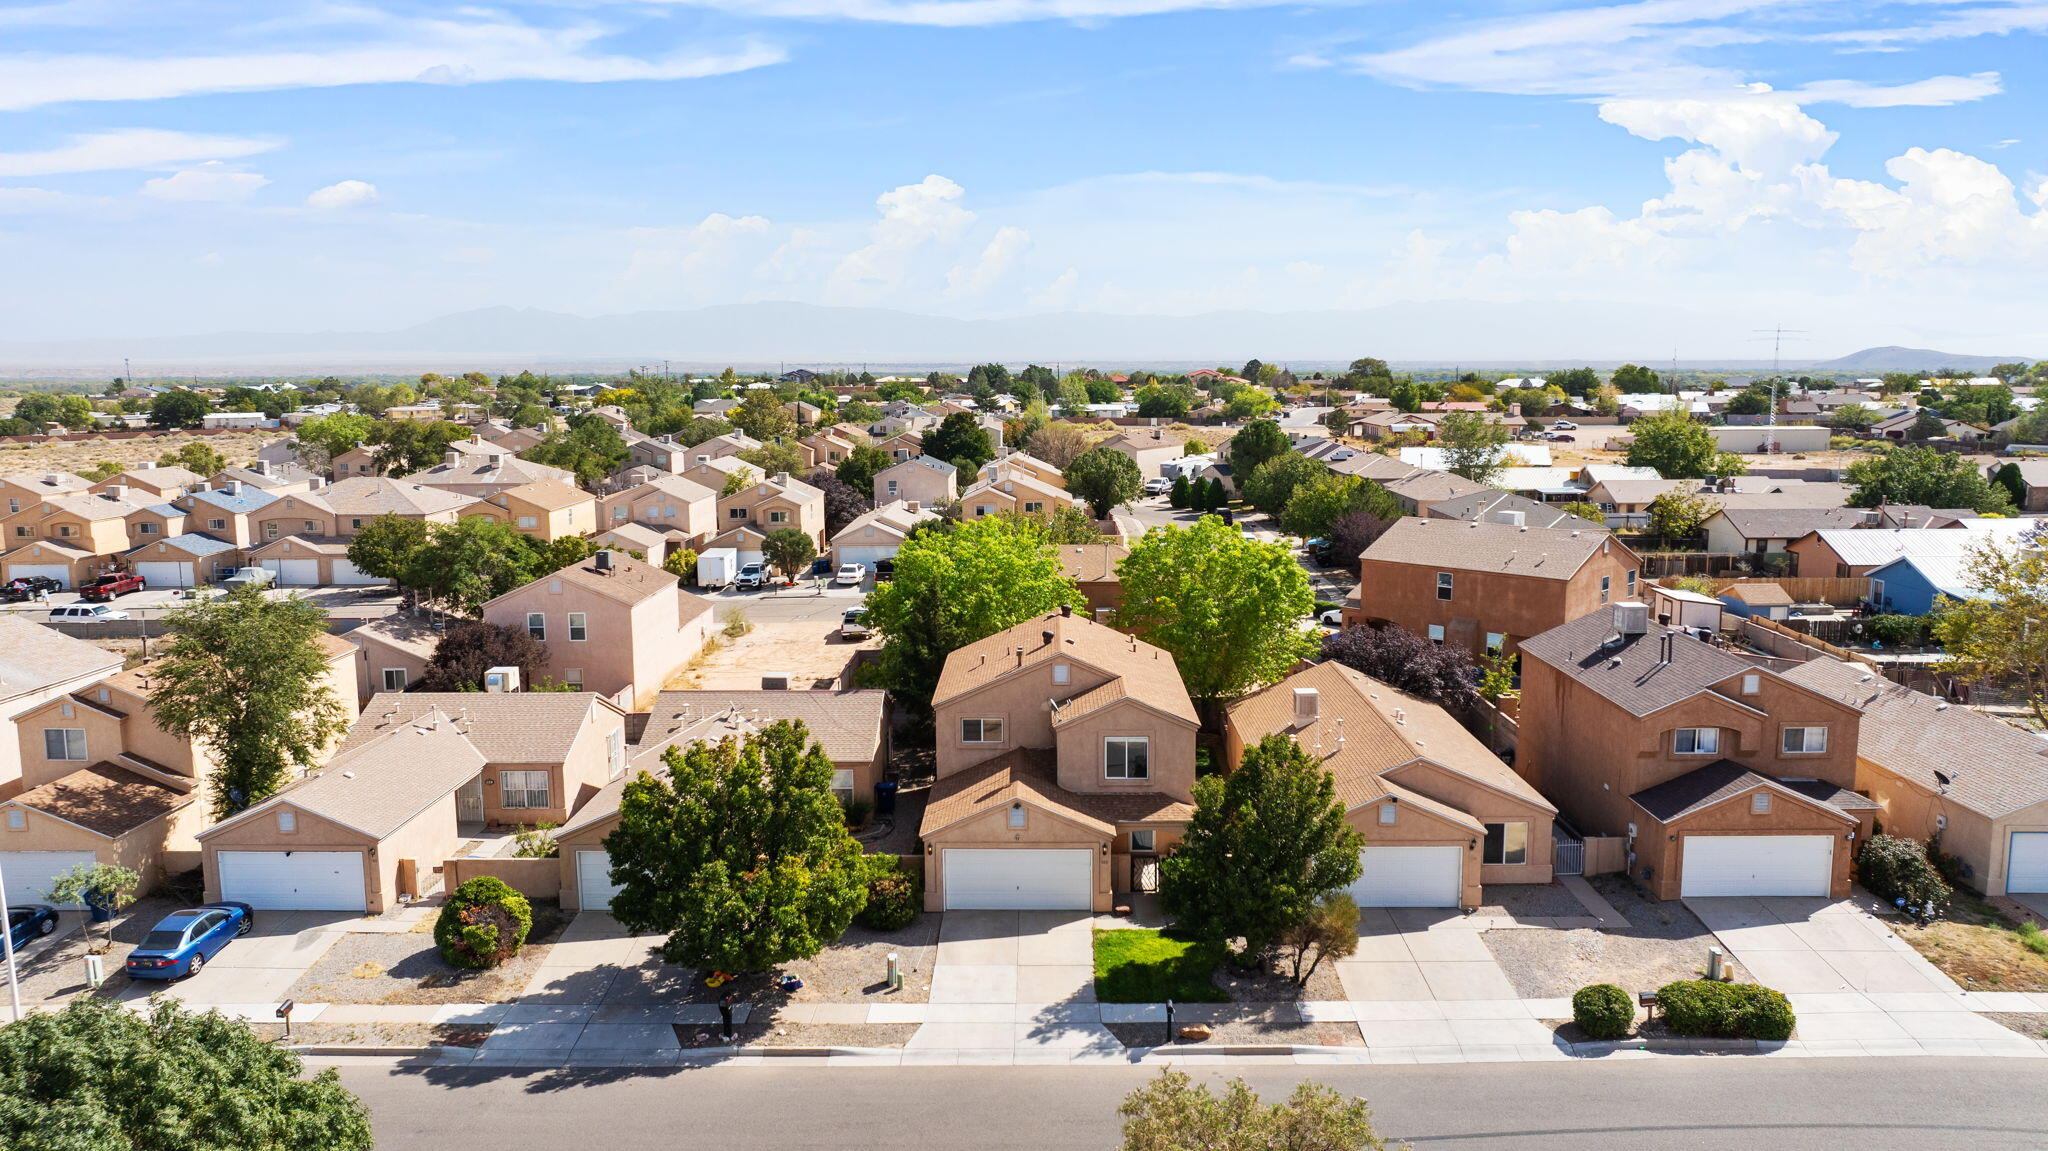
[{"x": 1719, "y": 1103}]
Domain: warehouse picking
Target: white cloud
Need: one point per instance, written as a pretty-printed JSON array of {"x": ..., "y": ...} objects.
[
  {"x": 1947, "y": 208},
  {"x": 915, "y": 218},
  {"x": 993, "y": 263},
  {"x": 31, "y": 200},
  {"x": 129, "y": 148},
  {"x": 346, "y": 194},
  {"x": 1760, "y": 131},
  {"x": 211, "y": 182},
  {"x": 1933, "y": 92},
  {"x": 967, "y": 13}
]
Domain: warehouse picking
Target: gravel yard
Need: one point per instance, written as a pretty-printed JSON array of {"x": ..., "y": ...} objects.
[
  {"x": 1245, "y": 1032},
  {"x": 1529, "y": 901},
  {"x": 2032, "y": 1024},
  {"x": 765, "y": 1032},
  {"x": 407, "y": 968},
  {"x": 1276, "y": 986},
  {"x": 1663, "y": 942},
  {"x": 850, "y": 971},
  {"x": 54, "y": 972},
  {"x": 376, "y": 1034}
]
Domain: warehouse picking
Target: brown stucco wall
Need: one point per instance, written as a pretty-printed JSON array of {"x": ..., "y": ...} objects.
[
  {"x": 1019, "y": 701},
  {"x": 632, "y": 649},
  {"x": 1488, "y": 805},
  {"x": 1977, "y": 839},
  {"x": 1515, "y": 606},
  {"x": 140, "y": 850}
]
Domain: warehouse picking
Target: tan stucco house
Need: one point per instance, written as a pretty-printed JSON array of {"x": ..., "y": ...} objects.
[
  {"x": 612, "y": 624},
  {"x": 922, "y": 480},
  {"x": 545, "y": 510}
]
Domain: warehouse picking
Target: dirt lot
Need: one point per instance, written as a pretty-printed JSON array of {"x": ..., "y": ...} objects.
[
  {"x": 1977, "y": 947},
  {"x": 376, "y": 1034},
  {"x": 1663, "y": 942},
  {"x": 72, "y": 455},
  {"x": 407, "y": 968},
  {"x": 811, "y": 650},
  {"x": 850, "y": 971}
]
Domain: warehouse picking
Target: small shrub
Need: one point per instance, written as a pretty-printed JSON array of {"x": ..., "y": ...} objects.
[
  {"x": 484, "y": 923},
  {"x": 1603, "y": 1011},
  {"x": 737, "y": 624},
  {"x": 534, "y": 841},
  {"x": 1896, "y": 868},
  {"x": 1899, "y": 630},
  {"x": 2032, "y": 938},
  {"x": 1765, "y": 1013},
  {"x": 895, "y": 897},
  {"x": 857, "y": 811},
  {"x": 1725, "y": 1010}
]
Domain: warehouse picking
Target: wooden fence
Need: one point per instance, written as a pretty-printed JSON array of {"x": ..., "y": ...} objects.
[
  {"x": 1809, "y": 589},
  {"x": 1784, "y": 642}
]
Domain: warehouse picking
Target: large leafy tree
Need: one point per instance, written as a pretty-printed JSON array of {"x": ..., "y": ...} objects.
[
  {"x": 1440, "y": 673},
  {"x": 1254, "y": 444},
  {"x": 387, "y": 546},
  {"x": 2002, "y": 637},
  {"x": 1678, "y": 514},
  {"x": 98, "y": 1077},
  {"x": 1474, "y": 446},
  {"x": 1315, "y": 506},
  {"x": 1926, "y": 476},
  {"x": 473, "y": 561},
  {"x": 410, "y": 445},
  {"x": 1105, "y": 478},
  {"x": 1174, "y": 1113},
  {"x": 1057, "y": 444},
  {"x": 858, "y": 469},
  {"x": 1353, "y": 532},
  {"x": 789, "y": 551},
  {"x": 1266, "y": 845},
  {"x": 952, "y": 588},
  {"x": 178, "y": 409},
  {"x": 335, "y": 434},
  {"x": 1679, "y": 447},
  {"x": 740, "y": 856},
  {"x": 246, "y": 674},
  {"x": 197, "y": 457},
  {"x": 1269, "y": 486},
  {"x": 469, "y": 649},
  {"x": 761, "y": 415},
  {"x": 844, "y": 503},
  {"x": 1227, "y": 606},
  {"x": 960, "y": 440},
  {"x": 591, "y": 447}
]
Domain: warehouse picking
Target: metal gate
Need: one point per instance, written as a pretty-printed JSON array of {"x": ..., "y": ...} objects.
[
  {"x": 1569, "y": 854},
  {"x": 1145, "y": 877}
]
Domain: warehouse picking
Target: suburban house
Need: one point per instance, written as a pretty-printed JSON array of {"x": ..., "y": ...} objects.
[
  {"x": 1092, "y": 567},
  {"x": 1507, "y": 508},
  {"x": 828, "y": 447},
  {"x": 1762, "y": 531},
  {"x": 1916, "y": 584},
  {"x": 716, "y": 472},
  {"x": 159, "y": 481},
  {"x": 660, "y": 452},
  {"x": 850, "y": 726},
  {"x": 358, "y": 501},
  {"x": 304, "y": 513},
  {"x": 20, "y": 492},
  {"x": 1012, "y": 491},
  {"x": 665, "y": 503},
  {"x": 1759, "y": 599},
  {"x": 485, "y": 474},
  {"x": 38, "y": 664},
  {"x": 1421, "y": 488},
  {"x": 2034, "y": 478},
  {"x": 1724, "y": 776},
  {"x": 921, "y": 479},
  {"x": 393, "y": 653},
  {"x": 1632, "y": 495},
  {"x": 224, "y": 512},
  {"x": 360, "y": 460},
  {"x": 1065, "y": 751},
  {"x": 644, "y": 542},
  {"x": 1147, "y": 447},
  {"x": 877, "y": 535},
  {"x": 721, "y": 447},
  {"x": 772, "y": 504},
  {"x": 546, "y": 510},
  {"x": 1440, "y": 813},
  {"x": 613, "y": 625},
  {"x": 1031, "y": 467},
  {"x": 191, "y": 559},
  {"x": 902, "y": 445},
  {"x": 68, "y": 538},
  {"x": 1978, "y": 783},
  {"x": 1487, "y": 586},
  {"x": 263, "y": 475}
]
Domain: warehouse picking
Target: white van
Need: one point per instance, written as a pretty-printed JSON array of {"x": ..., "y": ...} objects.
[{"x": 86, "y": 613}]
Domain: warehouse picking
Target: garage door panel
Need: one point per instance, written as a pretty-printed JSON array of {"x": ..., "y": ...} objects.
[
  {"x": 1410, "y": 877},
  {"x": 59, "y": 572},
  {"x": 293, "y": 880},
  {"x": 865, "y": 555},
  {"x": 1019, "y": 880},
  {"x": 296, "y": 573},
  {"x": 165, "y": 573},
  {"x": 28, "y": 873},
  {"x": 2026, "y": 868},
  {"x": 594, "y": 886},
  {"x": 347, "y": 574},
  {"x": 1722, "y": 865}
]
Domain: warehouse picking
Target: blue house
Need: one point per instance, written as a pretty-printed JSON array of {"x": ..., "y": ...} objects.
[{"x": 1911, "y": 585}]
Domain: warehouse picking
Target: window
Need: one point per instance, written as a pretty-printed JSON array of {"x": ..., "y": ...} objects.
[
  {"x": 1697, "y": 741},
  {"x": 572, "y": 678},
  {"x": 736, "y": 513},
  {"x": 537, "y": 626},
  {"x": 17, "y": 819},
  {"x": 1144, "y": 841},
  {"x": 842, "y": 780},
  {"x": 619, "y": 513},
  {"x": 1443, "y": 585},
  {"x": 981, "y": 731},
  {"x": 529, "y": 521},
  {"x": 1495, "y": 641},
  {"x": 615, "y": 752},
  {"x": 778, "y": 517},
  {"x": 523, "y": 788},
  {"x": 66, "y": 531},
  {"x": 1126, "y": 756},
  {"x": 1606, "y": 585},
  {"x": 1436, "y": 633},
  {"x": 579, "y": 627},
  {"x": 1016, "y": 815},
  {"x": 1631, "y": 583},
  {"x": 892, "y": 489},
  {"x": 66, "y": 743},
  {"x": 269, "y": 529},
  {"x": 1386, "y": 813},
  {"x": 394, "y": 679},
  {"x": 287, "y": 821},
  {"x": 355, "y": 524},
  {"x": 1805, "y": 740},
  {"x": 1760, "y": 803},
  {"x": 1506, "y": 843},
  {"x": 1750, "y": 684},
  {"x": 216, "y": 524},
  {"x": 981, "y": 509},
  {"x": 1061, "y": 673},
  {"x": 146, "y": 529},
  {"x": 310, "y": 526},
  {"x": 1035, "y": 507}
]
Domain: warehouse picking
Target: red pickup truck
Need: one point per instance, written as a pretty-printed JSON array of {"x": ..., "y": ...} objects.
[{"x": 106, "y": 587}]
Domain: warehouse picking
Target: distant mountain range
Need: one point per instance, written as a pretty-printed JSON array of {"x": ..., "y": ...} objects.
[
  {"x": 1531, "y": 335},
  {"x": 1897, "y": 359}
]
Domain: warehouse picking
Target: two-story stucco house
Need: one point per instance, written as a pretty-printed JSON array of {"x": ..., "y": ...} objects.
[
  {"x": 612, "y": 625},
  {"x": 545, "y": 510},
  {"x": 922, "y": 480},
  {"x": 668, "y": 504}
]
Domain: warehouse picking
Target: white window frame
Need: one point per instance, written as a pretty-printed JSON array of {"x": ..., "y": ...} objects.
[
  {"x": 1705, "y": 740},
  {"x": 1751, "y": 684},
  {"x": 17, "y": 819},
  {"x": 1606, "y": 587},
  {"x": 391, "y": 672},
  {"x": 777, "y": 516},
  {"x": 147, "y": 528},
  {"x": 521, "y": 785},
  {"x": 579, "y": 626},
  {"x": 1631, "y": 583},
  {"x": 1436, "y": 633},
  {"x": 572, "y": 678},
  {"x": 615, "y": 752},
  {"x": 58, "y": 744},
  {"x": 1113, "y": 743},
  {"x": 1496, "y": 641},
  {"x": 537, "y": 625},
  {"x": 1446, "y": 586},
  {"x": 1509, "y": 846},
  {"x": 1806, "y": 739},
  {"x": 1062, "y": 673},
  {"x": 529, "y": 521},
  {"x": 981, "y": 728},
  {"x": 842, "y": 780}
]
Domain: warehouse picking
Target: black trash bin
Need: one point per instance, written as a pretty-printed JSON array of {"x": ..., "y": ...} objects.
[{"x": 885, "y": 797}]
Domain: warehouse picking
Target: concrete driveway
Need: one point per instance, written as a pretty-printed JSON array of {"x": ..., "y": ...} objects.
[
  {"x": 251, "y": 974},
  {"x": 1019, "y": 985},
  {"x": 1421, "y": 954},
  {"x": 1800, "y": 945}
]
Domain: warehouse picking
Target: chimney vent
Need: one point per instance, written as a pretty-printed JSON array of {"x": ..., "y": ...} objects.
[{"x": 1066, "y": 609}]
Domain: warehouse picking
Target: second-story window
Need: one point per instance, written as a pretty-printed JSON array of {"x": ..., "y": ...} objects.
[
  {"x": 1696, "y": 741},
  {"x": 537, "y": 626},
  {"x": 1443, "y": 585},
  {"x": 1631, "y": 577},
  {"x": 981, "y": 731},
  {"x": 1805, "y": 740},
  {"x": 579, "y": 627},
  {"x": 65, "y": 743},
  {"x": 778, "y": 517},
  {"x": 1127, "y": 757},
  {"x": 1606, "y": 586}
]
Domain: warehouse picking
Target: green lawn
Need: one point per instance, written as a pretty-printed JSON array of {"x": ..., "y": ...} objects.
[{"x": 1136, "y": 965}]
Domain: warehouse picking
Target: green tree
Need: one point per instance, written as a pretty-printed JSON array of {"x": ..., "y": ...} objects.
[
  {"x": 1266, "y": 845},
  {"x": 335, "y": 434},
  {"x": 1586, "y": 510},
  {"x": 410, "y": 445},
  {"x": 1635, "y": 378},
  {"x": 74, "y": 411},
  {"x": 952, "y": 588},
  {"x": 1679, "y": 447},
  {"x": 762, "y": 415},
  {"x": 246, "y": 674},
  {"x": 960, "y": 440},
  {"x": 473, "y": 561},
  {"x": 590, "y": 447},
  {"x": 1105, "y": 478},
  {"x": 1322, "y": 500},
  {"x": 1249, "y": 403},
  {"x": 1856, "y": 419},
  {"x": 1165, "y": 401},
  {"x": 2002, "y": 637},
  {"x": 737, "y": 481},
  {"x": 1177, "y": 495},
  {"x": 1926, "y": 426},
  {"x": 1254, "y": 444},
  {"x": 197, "y": 457},
  {"x": 472, "y": 647},
  {"x": 107, "y": 886},
  {"x": 858, "y": 469},
  {"x": 1584, "y": 382},
  {"x": 38, "y": 408},
  {"x": 740, "y": 855},
  {"x": 1918, "y": 475},
  {"x": 776, "y": 458},
  {"x": 1269, "y": 486},
  {"x": 388, "y": 546},
  {"x": 789, "y": 551},
  {"x": 1750, "y": 401},
  {"x": 1225, "y": 605},
  {"x": 682, "y": 564},
  {"x": 99, "y": 1077},
  {"x": 1065, "y": 524},
  {"x": 1474, "y": 446},
  {"x": 178, "y": 409},
  {"x": 2015, "y": 485},
  {"x": 1678, "y": 514},
  {"x": 1173, "y": 1113}
]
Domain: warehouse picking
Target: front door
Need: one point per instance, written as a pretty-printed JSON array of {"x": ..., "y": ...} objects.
[{"x": 469, "y": 801}]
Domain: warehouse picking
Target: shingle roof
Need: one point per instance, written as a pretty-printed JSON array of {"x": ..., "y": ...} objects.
[
  {"x": 1485, "y": 505},
  {"x": 931, "y": 463},
  {"x": 106, "y": 799},
  {"x": 378, "y": 783},
  {"x": 1722, "y": 780},
  {"x": 1787, "y": 523},
  {"x": 34, "y": 658},
  {"x": 241, "y": 501},
  {"x": 552, "y": 495},
  {"x": 97, "y": 506},
  {"x": 1092, "y": 563},
  {"x": 1640, "y": 491},
  {"x": 1149, "y": 673},
  {"x": 48, "y": 482},
  {"x": 668, "y": 483},
  {"x": 377, "y": 495},
  {"x": 1980, "y": 762},
  {"x": 1760, "y": 594},
  {"x": 192, "y": 543},
  {"x": 632, "y": 536},
  {"x": 629, "y": 581},
  {"x": 487, "y": 469},
  {"x": 1425, "y": 487},
  {"x": 410, "y": 633},
  {"x": 316, "y": 544},
  {"x": 513, "y": 727},
  {"x": 1028, "y": 775},
  {"x": 1468, "y": 545},
  {"x": 847, "y": 724},
  {"x": 1630, "y": 672}
]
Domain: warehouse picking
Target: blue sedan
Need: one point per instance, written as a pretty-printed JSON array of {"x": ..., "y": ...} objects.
[
  {"x": 183, "y": 941},
  {"x": 30, "y": 921}
]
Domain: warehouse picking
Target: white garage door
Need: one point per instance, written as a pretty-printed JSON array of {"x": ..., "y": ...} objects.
[
  {"x": 28, "y": 873},
  {"x": 165, "y": 573},
  {"x": 350, "y": 575},
  {"x": 2026, "y": 868},
  {"x": 869, "y": 555},
  {"x": 298, "y": 573},
  {"x": 1019, "y": 880},
  {"x": 59, "y": 572},
  {"x": 1410, "y": 877},
  {"x": 594, "y": 886},
  {"x": 293, "y": 880},
  {"x": 1757, "y": 865}
]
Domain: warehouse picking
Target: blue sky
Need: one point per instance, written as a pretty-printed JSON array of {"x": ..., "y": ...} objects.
[{"x": 1868, "y": 169}]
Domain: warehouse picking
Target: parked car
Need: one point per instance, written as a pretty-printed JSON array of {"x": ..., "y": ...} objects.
[
  {"x": 854, "y": 624},
  {"x": 28, "y": 921},
  {"x": 182, "y": 942},
  {"x": 751, "y": 575},
  {"x": 1560, "y": 438},
  {"x": 1564, "y": 426},
  {"x": 1332, "y": 619},
  {"x": 106, "y": 587},
  {"x": 1158, "y": 486},
  {"x": 86, "y": 613},
  {"x": 885, "y": 570},
  {"x": 851, "y": 574},
  {"x": 24, "y": 588},
  {"x": 249, "y": 577}
]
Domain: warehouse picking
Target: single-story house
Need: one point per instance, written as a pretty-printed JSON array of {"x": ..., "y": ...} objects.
[
  {"x": 392, "y": 653},
  {"x": 1093, "y": 568},
  {"x": 1762, "y": 600}
]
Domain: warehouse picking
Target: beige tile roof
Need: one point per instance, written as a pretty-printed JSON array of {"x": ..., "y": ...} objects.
[
  {"x": 303, "y": 544},
  {"x": 1092, "y": 563},
  {"x": 847, "y": 724},
  {"x": 553, "y": 495},
  {"x": 629, "y": 581},
  {"x": 630, "y": 535},
  {"x": 1018, "y": 484},
  {"x": 377, "y": 495},
  {"x": 92, "y": 507},
  {"x": 1027, "y": 774},
  {"x": 1475, "y": 545},
  {"x": 1149, "y": 673},
  {"x": 512, "y": 727},
  {"x": 379, "y": 783},
  {"x": 34, "y": 658},
  {"x": 105, "y": 799},
  {"x": 1760, "y": 594},
  {"x": 47, "y": 482},
  {"x": 408, "y": 633},
  {"x": 487, "y": 469},
  {"x": 670, "y": 484}
]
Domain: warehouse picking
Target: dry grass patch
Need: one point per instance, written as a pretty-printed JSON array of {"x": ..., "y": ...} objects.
[{"x": 1980, "y": 948}]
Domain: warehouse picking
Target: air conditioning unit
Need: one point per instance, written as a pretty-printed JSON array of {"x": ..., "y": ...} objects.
[{"x": 500, "y": 680}]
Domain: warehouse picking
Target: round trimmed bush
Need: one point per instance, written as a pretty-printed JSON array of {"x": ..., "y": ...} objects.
[
  {"x": 1727, "y": 1010},
  {"x": 1766, "y": 1013},
  {"x": 1603, "y": 1011},
  {"x": 1693, "y": 1006},
  {"x": 895, "y": 897},
  {"x": 484, "y": 923}
]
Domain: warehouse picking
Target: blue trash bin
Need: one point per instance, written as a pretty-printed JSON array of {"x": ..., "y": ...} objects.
[{"x": 885, "y": 797}]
